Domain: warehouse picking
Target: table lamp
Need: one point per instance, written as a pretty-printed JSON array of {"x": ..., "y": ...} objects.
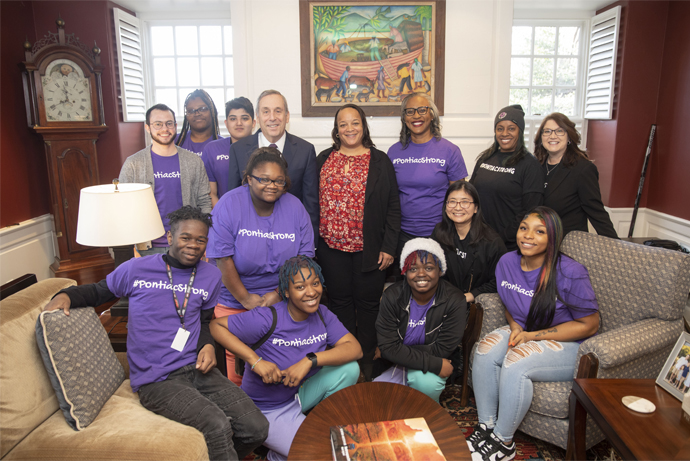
[{"x": 118, "y": 216}]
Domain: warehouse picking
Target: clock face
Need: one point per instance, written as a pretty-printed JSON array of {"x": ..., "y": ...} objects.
[{"x": 66, "y": 93}]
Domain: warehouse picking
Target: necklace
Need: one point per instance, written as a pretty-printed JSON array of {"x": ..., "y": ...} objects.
[
  {"x": 291, "y": 316},
  {"x": 548, "y": 171}
]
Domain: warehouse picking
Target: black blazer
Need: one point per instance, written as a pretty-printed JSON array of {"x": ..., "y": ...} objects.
[
  {"x": 381, "y": 220},
  {"x": 574, "y": 194},
  {"x": 301, "y": 159}
]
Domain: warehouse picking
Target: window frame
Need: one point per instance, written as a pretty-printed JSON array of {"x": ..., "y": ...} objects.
[
  {"x": 146, "y": 25},
  {"x": 532, "y": 122}
]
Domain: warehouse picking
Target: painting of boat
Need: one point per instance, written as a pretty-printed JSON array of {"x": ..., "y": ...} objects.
[{"x": 370, "y": 53}]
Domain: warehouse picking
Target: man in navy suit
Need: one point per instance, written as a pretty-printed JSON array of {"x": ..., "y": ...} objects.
[{"x": 273, "y": 115}]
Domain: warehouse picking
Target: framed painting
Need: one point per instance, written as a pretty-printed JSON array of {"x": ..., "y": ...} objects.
[
  {"x": 371, "y": 53},
  {"x": 675, "y": 375}
]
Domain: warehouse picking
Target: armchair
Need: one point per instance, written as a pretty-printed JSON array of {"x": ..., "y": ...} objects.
[{"x": 641, "y": 293}]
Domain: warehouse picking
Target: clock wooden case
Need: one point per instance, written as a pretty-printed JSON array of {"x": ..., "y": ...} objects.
[{"x": 64, "y": 105}]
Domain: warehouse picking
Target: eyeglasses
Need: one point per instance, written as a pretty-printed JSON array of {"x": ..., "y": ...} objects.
[
  {"x": 267, "y": 181},
  {"x": 160, "y": 125},
  {"x": 463, "y": 204},
  {"x": 420, "y": 110},
  {"x": 559, "y": 132},
  {"x": 200, "y": 110}
]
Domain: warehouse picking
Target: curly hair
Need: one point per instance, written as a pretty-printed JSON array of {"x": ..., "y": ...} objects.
[
  {"x": 435, "y": 120},
  {"x": 204, "y": 96},
  {"x": 187, "y": 213},
  {"x": 266, "y": 155},
  {"x": 572, "y": 151},
  {"x": 366, "y": 137},
  {"x": 292, "y": 267}
]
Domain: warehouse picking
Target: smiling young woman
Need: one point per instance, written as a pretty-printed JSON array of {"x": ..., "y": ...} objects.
[
  {"x": 508, "y": 178},
  {"x": 258, "y": 227},
  {"x": 572, "y": 180},
  {"x": 285, "y": 366},
  {"x": 360, "y": 219},
  {"x": 421, "y": 310},
  {"x": 550, "y": 309}
]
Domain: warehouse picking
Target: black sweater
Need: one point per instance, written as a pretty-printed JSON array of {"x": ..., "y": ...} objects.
[{"x": 445, "y": 325}]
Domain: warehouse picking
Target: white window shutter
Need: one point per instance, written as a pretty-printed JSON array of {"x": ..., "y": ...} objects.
[
  {"x": 601, "y": 65},
  {"x": 131, "y": 69}
]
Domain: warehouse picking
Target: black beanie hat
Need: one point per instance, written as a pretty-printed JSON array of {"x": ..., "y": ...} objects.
[{"x": 512, "y": 113}]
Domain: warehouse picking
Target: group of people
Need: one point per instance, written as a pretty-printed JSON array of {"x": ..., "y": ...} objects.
[{"x": 281, "y": 223}]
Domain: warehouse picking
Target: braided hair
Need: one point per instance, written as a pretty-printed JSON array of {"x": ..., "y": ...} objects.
[
  {"x": 292, "y": 267},
  {"x": 187, "y": 213},
  {"x": 204, "y": 96}
]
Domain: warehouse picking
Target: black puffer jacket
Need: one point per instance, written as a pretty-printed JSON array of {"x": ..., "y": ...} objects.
[{"x": 445, "y": 325}]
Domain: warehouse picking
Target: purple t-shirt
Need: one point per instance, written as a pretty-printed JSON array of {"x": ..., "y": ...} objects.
[
  {"x": 167, "y": 190},
  {"x": 424, "y": 172},
  {"x": 196, "y": 147},
  {"x": 258, "y": 245},
  {"x": 217, "y": 162},
  {"x": 416, "y": 324},
  {"x": 516, "y": 289},
  {"x": 290, "y": 342},
  {"x": 153, "y": 320}
]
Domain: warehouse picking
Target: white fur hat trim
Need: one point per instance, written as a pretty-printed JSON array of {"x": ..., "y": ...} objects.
[{"x": 425, "y": 244}]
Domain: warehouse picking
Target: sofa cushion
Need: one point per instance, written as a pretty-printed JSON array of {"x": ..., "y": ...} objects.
[
  {"x": 123, "y": 430},
  {"x": 26, "y": 396},
  {"x": 81, "y": 363},
  {"x": 551, "y": 399}
]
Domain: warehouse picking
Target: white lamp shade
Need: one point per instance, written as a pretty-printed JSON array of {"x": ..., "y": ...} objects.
[{"x": 110, "y": 218}]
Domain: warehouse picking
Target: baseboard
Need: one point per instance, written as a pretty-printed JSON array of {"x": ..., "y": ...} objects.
[
  {"x": 651, "y": 223},
  {"x": 27, "y": 248}
]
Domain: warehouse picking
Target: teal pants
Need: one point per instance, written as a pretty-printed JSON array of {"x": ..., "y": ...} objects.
[{"x": 428, "y": 383}]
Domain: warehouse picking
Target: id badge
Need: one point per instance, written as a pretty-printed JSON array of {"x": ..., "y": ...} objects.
[{"x": 180, "y": 339}]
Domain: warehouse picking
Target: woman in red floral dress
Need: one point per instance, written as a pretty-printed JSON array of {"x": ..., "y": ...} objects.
[{"x": 360, "y": 221}]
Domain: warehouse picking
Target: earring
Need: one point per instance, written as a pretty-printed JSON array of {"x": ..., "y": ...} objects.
[
  {"x": 337, "y": 135},
  {"x": 568, "y": 142}
]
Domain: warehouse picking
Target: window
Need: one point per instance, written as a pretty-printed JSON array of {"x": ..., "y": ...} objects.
[
  {"x": 546, "y": 70},
  {"x": 184, "y": 57},
  {"x": 170, "y": 60}
]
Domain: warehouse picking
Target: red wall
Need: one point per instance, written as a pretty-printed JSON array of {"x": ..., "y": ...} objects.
[
  {"x": 24, "y": 190},
  {"x": 652, "y": 86},
  {"x": 670, "y": 161}
]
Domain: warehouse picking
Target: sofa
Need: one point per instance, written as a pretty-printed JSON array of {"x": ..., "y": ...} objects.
[
  {"x": 641, "y": 292},
  {"x": 31, "y": 422}
]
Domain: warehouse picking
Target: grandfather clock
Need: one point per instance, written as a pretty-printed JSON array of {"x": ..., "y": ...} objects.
[{"x": 64, "y": 106}]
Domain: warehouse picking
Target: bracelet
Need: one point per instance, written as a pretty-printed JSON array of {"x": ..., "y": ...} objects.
[{"x": 260, "y": 358}]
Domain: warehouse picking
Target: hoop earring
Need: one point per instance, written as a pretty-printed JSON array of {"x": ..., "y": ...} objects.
[
  {"x": 568, "y": 142},
  {"x": 337, "y": 135}
]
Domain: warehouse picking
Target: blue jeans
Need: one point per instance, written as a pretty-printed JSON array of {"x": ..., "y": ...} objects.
[
  {"x": 286, "y": 420},
  {"x": 506, "y": 377},
  {"x": 232, "y": 425}
]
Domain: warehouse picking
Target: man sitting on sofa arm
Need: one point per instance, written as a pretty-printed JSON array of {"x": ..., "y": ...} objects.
[{"x": 170, "y": 349}]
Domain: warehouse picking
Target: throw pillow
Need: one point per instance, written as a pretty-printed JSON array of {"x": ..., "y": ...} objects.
[{"x": 80, "y": 361}]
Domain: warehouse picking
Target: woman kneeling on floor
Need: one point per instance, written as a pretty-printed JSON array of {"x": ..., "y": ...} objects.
[
  {"x": 291, "y": 371},
  {"x": 551, "y": 308},
  {"x": 421, "y": 321}
]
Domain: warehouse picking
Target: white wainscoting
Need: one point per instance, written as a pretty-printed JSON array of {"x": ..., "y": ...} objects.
[
  {"x": 650, "y": 223},
  {"x": 27, "y": 248}
]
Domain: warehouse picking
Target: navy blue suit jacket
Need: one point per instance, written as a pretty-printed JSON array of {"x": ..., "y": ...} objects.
[{"x": 301, "y": 159}]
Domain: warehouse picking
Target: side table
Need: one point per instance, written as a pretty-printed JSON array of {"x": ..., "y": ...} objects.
[
  {"x": 663, "y": 434},
  {"x": 369, "y": 403}
]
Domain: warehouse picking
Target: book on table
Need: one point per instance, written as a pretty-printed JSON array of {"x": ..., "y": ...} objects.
[{"x": 402, "y": 439}]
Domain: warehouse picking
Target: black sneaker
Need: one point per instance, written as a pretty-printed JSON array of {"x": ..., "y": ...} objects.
[
  {"x": 492, "y": 449},
  {"x": 478, "y": 435}
]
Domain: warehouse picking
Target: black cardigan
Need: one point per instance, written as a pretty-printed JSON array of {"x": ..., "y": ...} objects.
[
  {"x": 381, "y": 220},
  {"x": 484, "y": 258},
  {"x": 444, "y": 328},
  {"x": 574, "y": 194}
]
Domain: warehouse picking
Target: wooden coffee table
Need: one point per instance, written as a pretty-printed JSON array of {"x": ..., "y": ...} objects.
[
  {"x": 372, "y": 402},
  {"x": 663, "y": 434}
]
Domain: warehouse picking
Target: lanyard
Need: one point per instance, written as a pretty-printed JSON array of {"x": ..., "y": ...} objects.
[{"x": 188, "y": 291}]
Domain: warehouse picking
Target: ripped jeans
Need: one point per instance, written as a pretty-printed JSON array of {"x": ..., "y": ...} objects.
[{"x": 503, "y": 377}]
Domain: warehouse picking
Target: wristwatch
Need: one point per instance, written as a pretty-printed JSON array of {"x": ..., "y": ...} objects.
[{"x": 314, "y": 361}]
